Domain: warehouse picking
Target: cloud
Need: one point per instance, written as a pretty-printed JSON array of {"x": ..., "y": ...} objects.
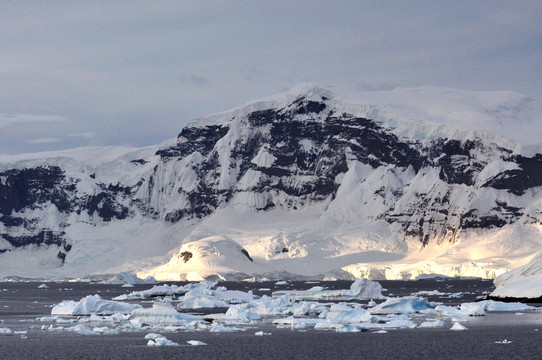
[
  {"x": 43, "y": 141},
  {"x": 138, "y": 76},
  {"x": 85, "y": 135},
  {"x": 16, "y": 119}
]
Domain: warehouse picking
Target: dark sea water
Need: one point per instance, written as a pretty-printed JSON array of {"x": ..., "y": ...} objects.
[{"x": 22, "y": 303}]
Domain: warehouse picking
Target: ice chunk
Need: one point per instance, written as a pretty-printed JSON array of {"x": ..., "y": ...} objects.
[
  {"x": 458, "y": 327},
  {"x": 203, "y": 296},
  {"x": 450, "y": 311},
  {"x": 349, "y": 316},
  {"x": 350, "y": 329},
  {"x": 402, "y": 305},
  {"x": 43, "y": 286},
  {"x": 196, "y": 342},
  {"x": 218, "y": 328},
  {"x": 159, "y": 340},
  {"x": 362, "y": 289},
  {"x": 473, "y": 309},
  {"x": 163, "y": 314},
  {"x": 104, "y": 330},
  {"x": 432, "y": 324},
  {"x": 92, "y": 304},
  {"x": 261, "y": 333},
  {"x": 492, "y": 305},
  {"x": 503, "y": 342},
  {"x": 166, "y": 290},
  {"x": 5, "y": 331}
]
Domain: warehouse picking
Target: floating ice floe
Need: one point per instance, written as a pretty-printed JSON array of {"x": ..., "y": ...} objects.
[
  {"x": 159, "y": 340},
  {"x": 402, "y": 305},
  {"x": 432, "y": 324},
  {"x": 219, "y": 328},
  {"x": 203, "y": 289},
  {"x": 196, "y": 342},
  {"x": 161, "y": 314},
  {"x": 362, "y": 289},
  {"x": 480, "y": 308},
  {"x": 429, "y": 293},
  {"x": 503, "y": 342},
  {"x": 43, "y": 286},
  {"x": 261, "y": 333},
  {"x": 6, "y": 331},
  {"x": 350, "y": 329},
  {"x": 92, "y": 304},
  {"x": 204, "y": 296},
  {"x": 458, "y": 327}
]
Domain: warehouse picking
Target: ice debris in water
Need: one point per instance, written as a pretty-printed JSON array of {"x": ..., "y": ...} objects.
[
  {"x": 92, "y": 304},
  {"x": 43, "y": 286},
  {"x": 503, "y": 342},
  {"x": 480, "y": 308},
  {"x": 362, "y": 289},
  {"x": 432, "y": 324},
  {"x": 161, "y": 314},
  {"x": 159, "y": 340},
  {"x": 350, "y": 329},
  {"x": 196, "y": 342},
  {"x": 5, "y": 331},
  {"x": 261, "y": 333},
  {"x": 458, "y": 327},
  {"x": 402, "y": 305}
]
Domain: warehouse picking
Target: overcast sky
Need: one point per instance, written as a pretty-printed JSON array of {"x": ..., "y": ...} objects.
[{"x": 77, "y": 73}]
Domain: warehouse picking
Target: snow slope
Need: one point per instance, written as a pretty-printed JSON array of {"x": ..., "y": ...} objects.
[
  {"x": 297, "y": 185},
  {"x": 523, "y": 282}
]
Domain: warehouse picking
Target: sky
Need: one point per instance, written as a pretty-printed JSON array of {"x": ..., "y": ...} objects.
[{"x": 91, "y": 73}]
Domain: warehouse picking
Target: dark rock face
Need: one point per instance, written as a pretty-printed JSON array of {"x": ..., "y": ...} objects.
[{"x": 293, "y": 157}]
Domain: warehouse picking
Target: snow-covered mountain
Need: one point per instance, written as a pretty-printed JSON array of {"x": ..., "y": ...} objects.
[{"x": 301, "y": 184}]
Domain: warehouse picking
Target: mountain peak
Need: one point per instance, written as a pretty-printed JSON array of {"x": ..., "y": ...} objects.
[{"x": 308, "y": 91}]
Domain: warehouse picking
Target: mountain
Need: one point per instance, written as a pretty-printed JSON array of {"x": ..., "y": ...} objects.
[{"x": 298, "y": 185}]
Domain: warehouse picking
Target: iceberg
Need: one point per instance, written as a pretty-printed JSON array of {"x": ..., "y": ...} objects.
[
  {"x": 458, "y": 327},
  {"x": 162, "y": 314},
  {"x": 92, "y": 304},
  {"x": 159, "y": 340},
  {"x": 402, "y": 305},
  {"x": 361, "y": 289}
]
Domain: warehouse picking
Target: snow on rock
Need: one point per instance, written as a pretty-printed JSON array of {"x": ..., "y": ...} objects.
[
  {"x": 216, "y": 256},
  {"x": 399, "y": 184},
  {"x": 402, "y": 305},
  {"x": 362, "y": 289},
  {"x": 159, "y": 340},
  {"x": 523, "y": 282},
  {"x": 162, "y": 314},
  {"x": 92, "y": 304}
]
